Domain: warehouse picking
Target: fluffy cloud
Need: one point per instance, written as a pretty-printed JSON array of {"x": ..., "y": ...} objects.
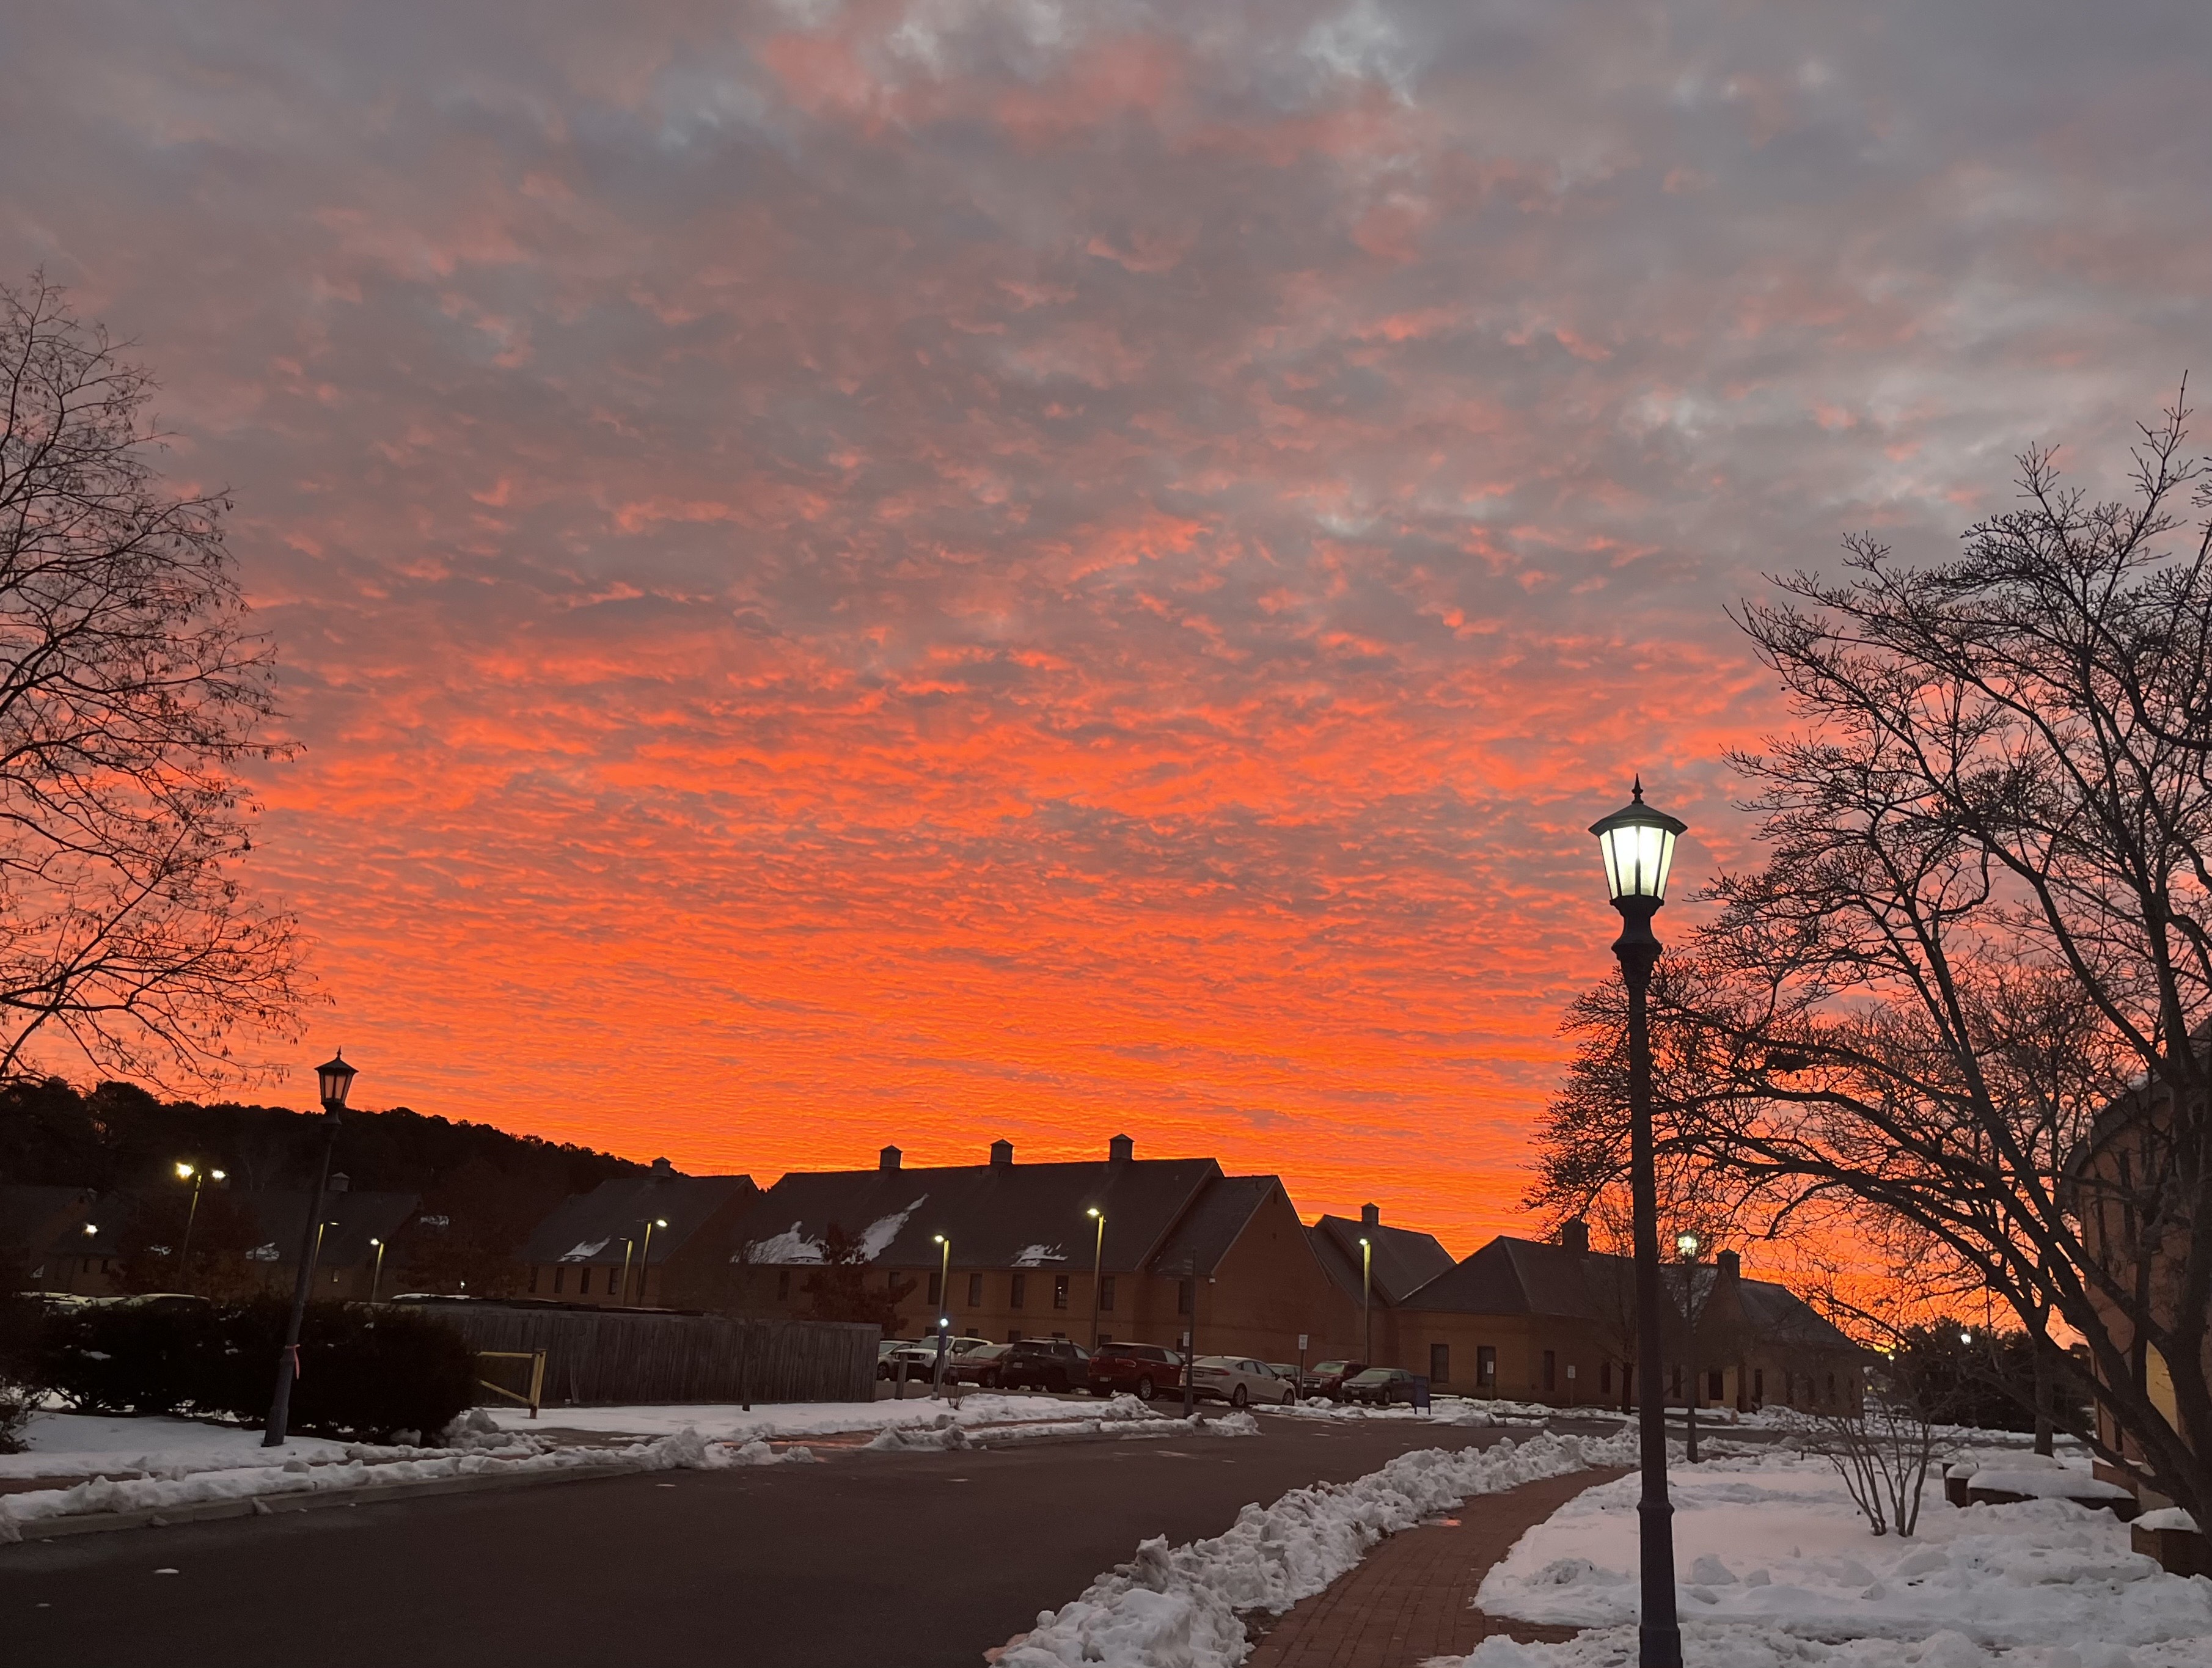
[{"x": 878, "y": 571}]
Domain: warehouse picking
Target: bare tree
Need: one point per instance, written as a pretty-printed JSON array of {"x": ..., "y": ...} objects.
[
  {"x": 1968, "y": 989},
  {"x": 131, "y": 690}
]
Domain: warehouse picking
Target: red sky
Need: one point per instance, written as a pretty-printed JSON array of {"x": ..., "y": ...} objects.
[{"x": 921, "y": 572}]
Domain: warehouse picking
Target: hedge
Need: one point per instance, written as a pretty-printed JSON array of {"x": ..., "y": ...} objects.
[{"x": 366, "y": 1372}]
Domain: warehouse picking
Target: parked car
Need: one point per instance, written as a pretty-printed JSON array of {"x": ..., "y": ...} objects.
[
  {"x": 1380, "y": 1385},
  {"x": 976, "y": 1365},
  {"x": 1040, "y": 1363},
  {"x": 1327, "y": 1378},
  {"x": 1141, "y": 1369},
  {"x": 919, "y": 1357},
  {"x": 884, "y": 1350},
  {"x": 1286, "y": 1372},
  {"x": 1239, "y": 1381}
]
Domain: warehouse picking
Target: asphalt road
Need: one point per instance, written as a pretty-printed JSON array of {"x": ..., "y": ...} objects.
[{"x": 866, "y": 1561}]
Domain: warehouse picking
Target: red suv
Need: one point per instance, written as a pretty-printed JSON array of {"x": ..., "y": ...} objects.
[{"x": 1143, "y": 1369}]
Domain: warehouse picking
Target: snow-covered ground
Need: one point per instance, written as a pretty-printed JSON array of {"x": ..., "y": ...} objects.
[
  {"x": 1775, "y": 1567},
  {"x": 1444, "y": 1410},
  {"x": 727, "y": 1421},
  {"x": 1181, "y": 1606},
  {"x": 91, "y": 1445}
]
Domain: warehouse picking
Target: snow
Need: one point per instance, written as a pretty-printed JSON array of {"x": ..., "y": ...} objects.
[
  {"x": 582, "y": 1252},
  {"x": 1777, "y": 1567},
  {"x": 1181, "y": 1605},
  {"x": 1443, "y": 1410},
  {"x": 1036, "y": 1256},
  {"x": 945, "y": 1434},
  {"x": 728, "y": 1422},
  {"x": 876, "y": 1237},
  {"x": 792, "y": 1245},
  {"x": 87, "y": 1445},
  {"x": 2041, "y": 1484},
  {"x": 368, "y": 1467},
  {"x": 2170, "y": 1517}
]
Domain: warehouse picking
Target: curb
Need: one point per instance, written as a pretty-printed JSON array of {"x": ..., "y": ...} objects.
[{"x": 210, "y": 1511}]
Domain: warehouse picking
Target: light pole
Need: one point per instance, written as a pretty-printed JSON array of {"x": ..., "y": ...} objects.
[
  {"x": 644, "y": 1264},
  {"x": 1687, "y": 1244},
  {"x": 622, "y": 1292},
  {"x": 376, "y": 1274},
  {"x": 335, "y": 1077},
  {"x": 1366, "y": 1302},
  {"x": 191, "y": 1215},
  {"x": 1638, "y": 844},
  {"x": 944, "y": 1320},
  {"x": 1097, "y": 1269}
]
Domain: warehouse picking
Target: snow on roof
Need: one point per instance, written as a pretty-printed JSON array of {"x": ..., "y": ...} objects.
[
  {"x": 792, "y": 1245},
  {"x": 1037, "y": 1256},
  {"x": 584, "y": 1250}
]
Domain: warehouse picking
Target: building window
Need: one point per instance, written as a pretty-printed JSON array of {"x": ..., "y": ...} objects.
[
  {"x": 1716, "y": 1384},
  {"x": 1440, "y": 1363},
  {"x": 584, "y": 1281},
  {"x": 1832, "y": 1386},
  {"x": 937, "y": 1290},
  {"x": 975, "y": 1291},
  {"x": 560, "y": 1277},
  {"x": 1059, "y": 1291},
  {"x": 782, "y": 1284},
  {"x": 1186, "y": 1296},
  {"x": 1485, "y": 1364},
  {"x": 1550, "y": 1370},
  {"x": 1017, "y": 1292},
  {"x": 1105, "y": 1297},
  {"x": 1676, "y": 1393}
]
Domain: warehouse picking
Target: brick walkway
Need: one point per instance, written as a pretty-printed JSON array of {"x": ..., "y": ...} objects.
[{"x": 1412, "y": 1598}]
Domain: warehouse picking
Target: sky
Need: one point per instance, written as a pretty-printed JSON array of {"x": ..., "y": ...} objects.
[{"x": 924, "y": 570}]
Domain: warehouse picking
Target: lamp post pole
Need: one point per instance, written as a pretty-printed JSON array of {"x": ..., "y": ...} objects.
[
  {"x": 336, "y": 1078},
  {"x": 376, "y": 1274},
  {"x": 622, "y": 1292},
  {"x": 192, "y": 1214},
  {"x": 1366, "y": 1302},
  {"x": 1097, "y": 1274},
  {"x": 1638, "y": 844},
  {"x": 943, "y": 1305},
  {"x": 1687, "y": 1244},
  {"x": 644, "y": 1264}
]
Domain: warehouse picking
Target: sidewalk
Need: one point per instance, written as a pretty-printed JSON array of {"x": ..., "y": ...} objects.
[{"x": 1411, "y": 1599}]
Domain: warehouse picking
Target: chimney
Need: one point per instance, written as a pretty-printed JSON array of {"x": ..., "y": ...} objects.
[
  {"x": 1729, "y": 1265},
  {"x": 1002, "y": 1152},
  {"x": 888, "y": 1159},
  {"x": 340, "y": 1182},
  {"x": 1370, "y": 1216},
  {"x": 1574, "y": 1235},
  {"x": 662, "y": 1169},
  {"x": 1121, "y": 1149}
]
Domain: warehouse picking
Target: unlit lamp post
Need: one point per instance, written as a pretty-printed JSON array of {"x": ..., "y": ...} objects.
[
  {"x": 335, "y": 1077},
  {"x": 1097, "y": 1273},
  {"x": 1638, "y": 844}
]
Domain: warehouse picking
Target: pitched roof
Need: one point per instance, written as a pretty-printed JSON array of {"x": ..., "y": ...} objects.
[
  {"x": 1212, "y": 1224},
  {"x": 33, "y": 1219},
  {"x": 1405, "y": 1259},
  {"x": 996, "y": 1216},
  {"x": 280, "y": 1220},
  {"x": 1777, "y": 1313},
  {"x": 592, "y": 1227}
]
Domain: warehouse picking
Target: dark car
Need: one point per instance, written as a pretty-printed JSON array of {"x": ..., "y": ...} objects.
[
  {"x": 1380, "y": 1385},
  {"x": 1139, "y": 1370},
  {"x": 1327, "y": 1378},
  {"x": 1038, "y": 1363},
  {"x": 978, "y": 1366}
]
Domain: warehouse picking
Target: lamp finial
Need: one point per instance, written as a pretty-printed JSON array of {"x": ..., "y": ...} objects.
[{"x": 1638, "y": 790}]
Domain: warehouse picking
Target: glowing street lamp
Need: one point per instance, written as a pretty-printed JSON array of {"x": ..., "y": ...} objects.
[
  {"x": 1638, "y": 845},
  {"x": 944, "y": 1316},
  {"x": 644, "y": 1273},
  {"x": 1097, "y": 1269},
  {"x": 1366, "y": 1302},
  {"x": 376, "y": 1274},
  {"x": 193, "y": 1173},
  {"x": 335, "y": 1079}
]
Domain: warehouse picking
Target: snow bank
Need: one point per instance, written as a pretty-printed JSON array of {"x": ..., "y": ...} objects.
[
  {"x": 1777, "y": 1568},
  {"x": 93, "y": 1445},
  {"x": 728, "y": 1422},
  {"x": 1179, "y": 1606},
  {"x": 948, "y": 1435},
  {"x": 1464, "y": 1411},
  {"x": 684, "y": 1450}
]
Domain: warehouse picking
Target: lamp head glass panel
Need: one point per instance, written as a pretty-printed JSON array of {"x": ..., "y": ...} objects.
[
  {"x": 184, "y": 1172},
  {"x": 1687, "y": 1244},
  {"x": 336, "y": 1078},
  {"x": 1639, "y": 846}
]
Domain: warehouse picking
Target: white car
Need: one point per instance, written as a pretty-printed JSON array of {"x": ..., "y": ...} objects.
[
  {"x": 919, "y": 1358},
  {"x": 1239, "y": 1381}
]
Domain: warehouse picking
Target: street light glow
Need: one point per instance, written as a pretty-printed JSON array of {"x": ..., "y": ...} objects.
[
  {"x": 183, "y": 1171},
  {"x": 1686, "y": 1244}
]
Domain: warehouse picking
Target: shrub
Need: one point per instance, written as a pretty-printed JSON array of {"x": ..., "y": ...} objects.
[{"x": 365, "y": 1371}]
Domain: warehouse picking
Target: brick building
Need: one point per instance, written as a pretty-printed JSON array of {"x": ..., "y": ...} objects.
[
  {"x": 1182, "y": 1247},
  {"x": 1378, "y": 1267},
  {"x": 595, "y": 1248}
]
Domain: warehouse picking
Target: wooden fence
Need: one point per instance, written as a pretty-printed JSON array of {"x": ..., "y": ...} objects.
[{"x": 615, "y": 1356}]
